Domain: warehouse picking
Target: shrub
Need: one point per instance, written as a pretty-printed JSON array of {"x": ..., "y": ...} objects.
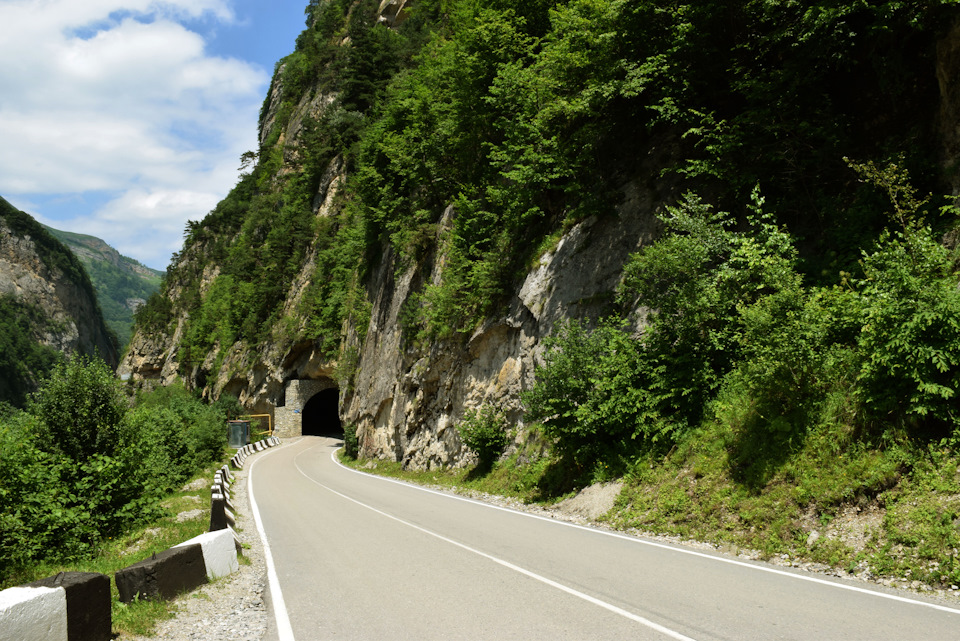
[
  {"x": 351, "y": 442},
  {"x": 910, "y": 306},
  {"x": 911, "y": 332},
  {"x": 177, "y": 433},
  {"x": 484, "y": 431},
  {"x": 81, "y": 466},
  {"x": 80, "y": 407},
  {"x": 592, "y": 393}
]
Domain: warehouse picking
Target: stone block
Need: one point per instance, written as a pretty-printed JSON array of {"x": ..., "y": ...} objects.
[
  {"x": 219, "y": 552},
  {"x": 164, "y": 575},
  {"x": 88, "y": 604},
  {"x": 221, "y": 513},
  {"x": 33, "y": 613}
]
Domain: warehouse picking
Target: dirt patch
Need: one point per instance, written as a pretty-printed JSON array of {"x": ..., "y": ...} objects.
[{"x": 591, "y": 502}]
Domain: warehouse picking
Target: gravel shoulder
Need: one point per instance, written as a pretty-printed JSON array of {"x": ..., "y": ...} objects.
[{"x": 231, "y": 608}]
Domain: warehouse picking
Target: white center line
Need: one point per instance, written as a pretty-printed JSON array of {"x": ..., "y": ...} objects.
[
  {"x": 681, "y": 550},
  {"x": 559, "y": 586}
]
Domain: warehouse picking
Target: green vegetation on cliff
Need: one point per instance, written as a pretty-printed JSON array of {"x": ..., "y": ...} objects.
[{"x": 527, "y": 119}]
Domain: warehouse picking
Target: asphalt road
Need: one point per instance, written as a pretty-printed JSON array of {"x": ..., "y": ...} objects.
[{"x": 357, "y": 557}]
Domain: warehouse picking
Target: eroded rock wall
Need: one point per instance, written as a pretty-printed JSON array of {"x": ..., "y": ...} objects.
[
  {"x": 406, "y": 402},
  {"x": 76, "y": 324}
]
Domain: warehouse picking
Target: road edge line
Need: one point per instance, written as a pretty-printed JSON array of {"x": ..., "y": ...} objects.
[{"x": 282, "y": 618}]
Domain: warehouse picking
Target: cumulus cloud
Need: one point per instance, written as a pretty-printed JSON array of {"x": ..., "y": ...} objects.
[{"x": 122, "y": 97}]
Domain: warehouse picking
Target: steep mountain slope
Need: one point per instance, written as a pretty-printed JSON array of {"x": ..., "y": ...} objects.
[
  {"x": 48, "y": 305},
  {"x": 122, "y": 284},
  {"x": 433, "y": 194}
]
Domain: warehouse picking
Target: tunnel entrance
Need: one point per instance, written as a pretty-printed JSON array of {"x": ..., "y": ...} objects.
[{"x": 321, "y": 415}]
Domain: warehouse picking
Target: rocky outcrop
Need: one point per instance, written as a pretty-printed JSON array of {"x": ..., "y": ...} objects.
[
  {"x": 394, "y": 12},
  {"x": 38, "y": 270},
  {"x": 406, "y": 403}
]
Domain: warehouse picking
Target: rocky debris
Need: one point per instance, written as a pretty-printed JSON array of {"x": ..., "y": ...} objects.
[
  {"x": 189, "y": 515},
  {"x": 853, "y": 526},
  {"x": 591, "y": 502}
]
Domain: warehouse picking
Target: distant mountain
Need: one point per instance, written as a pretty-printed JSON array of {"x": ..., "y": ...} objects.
[
  {"x": 122, "y": 283},
  {"x": 48, "y": 306}
]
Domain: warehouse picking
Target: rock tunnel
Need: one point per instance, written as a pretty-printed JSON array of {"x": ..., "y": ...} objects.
[{"x": 321, "y": 414}]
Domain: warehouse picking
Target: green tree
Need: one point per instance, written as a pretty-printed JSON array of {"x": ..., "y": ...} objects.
[{"x": 80, "y": 408}]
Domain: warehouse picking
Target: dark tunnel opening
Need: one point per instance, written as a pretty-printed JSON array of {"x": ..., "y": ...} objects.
[{"x": 321, "y": 415}]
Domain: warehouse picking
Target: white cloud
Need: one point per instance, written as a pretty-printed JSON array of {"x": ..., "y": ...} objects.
[{"x": 121, "y": 96}]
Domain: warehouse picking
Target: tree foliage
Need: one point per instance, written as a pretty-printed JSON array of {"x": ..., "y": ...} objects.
[
  {"x": 732, "y": 321},
  {"x": 79, "y": 465}
]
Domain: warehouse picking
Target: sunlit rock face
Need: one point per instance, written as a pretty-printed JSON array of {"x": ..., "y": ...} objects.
[
  {"x": 74, "y": 322},
  {"x": 407, "y": 402}
]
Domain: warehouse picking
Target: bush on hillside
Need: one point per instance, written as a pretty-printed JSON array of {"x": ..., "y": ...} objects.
[
  {"x": 484, "y": 431},
  {"x": 79, "y": 466},
  {"x": 80, "y": 408},
  {"x": 731, "y": 314}
]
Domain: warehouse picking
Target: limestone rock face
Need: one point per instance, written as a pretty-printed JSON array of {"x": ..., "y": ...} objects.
[
  {"x": 406, "y": 403},
  {"x": 76, "y": 324}
]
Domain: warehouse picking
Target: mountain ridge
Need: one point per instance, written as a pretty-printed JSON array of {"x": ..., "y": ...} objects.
[{"x": 122, "y": 283}]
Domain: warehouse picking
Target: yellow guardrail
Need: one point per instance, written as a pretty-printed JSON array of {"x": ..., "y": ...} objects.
[{"x": 267, "y": 416}]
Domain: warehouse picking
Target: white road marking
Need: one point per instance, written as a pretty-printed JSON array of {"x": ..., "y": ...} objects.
[
  {"x": 559, "y": 586},
  {"x": 284, "y": 630},
  {"x": 752, "y": 566}
]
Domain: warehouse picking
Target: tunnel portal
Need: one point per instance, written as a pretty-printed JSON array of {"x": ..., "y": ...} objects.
[{"x": 321, "y": 415}]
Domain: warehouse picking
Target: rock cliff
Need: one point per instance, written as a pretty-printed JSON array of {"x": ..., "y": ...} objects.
[
  {"x": 38, "y": 270},
  {"x": 402, "y": 394}
]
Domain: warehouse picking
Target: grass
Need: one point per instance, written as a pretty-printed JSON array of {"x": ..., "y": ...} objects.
[
  {"x": 140, "y": 617},
  {"x": 505, "y": 478}
]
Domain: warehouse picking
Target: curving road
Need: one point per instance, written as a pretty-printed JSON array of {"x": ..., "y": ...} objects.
[{"x": 357, "y": 557}]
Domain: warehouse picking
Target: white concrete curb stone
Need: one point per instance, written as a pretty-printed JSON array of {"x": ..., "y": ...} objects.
[
  {"x": 33, "y": 613},
  {"x": 219, "y": 552}
]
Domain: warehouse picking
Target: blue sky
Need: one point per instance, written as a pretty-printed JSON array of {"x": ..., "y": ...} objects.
[{"x": 123, "y": 119}]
